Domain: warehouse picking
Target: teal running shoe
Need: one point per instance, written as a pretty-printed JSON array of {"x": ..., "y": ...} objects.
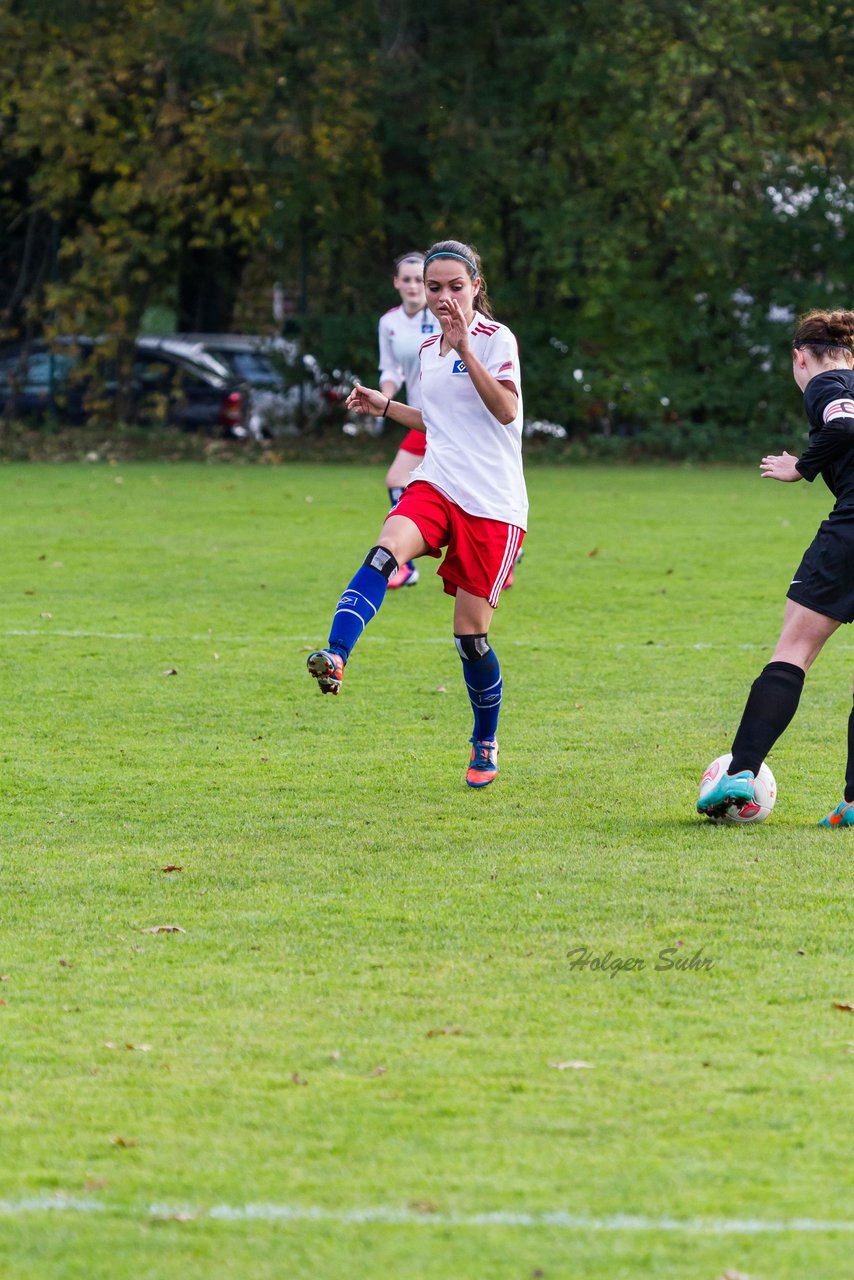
[
  {"x": 842, "y": 815},
  {"x": 726, "y": 789}
]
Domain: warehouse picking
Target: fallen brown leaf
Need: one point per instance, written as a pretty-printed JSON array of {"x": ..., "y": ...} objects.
[
  {"x": 377, "y": 1071},
  {"x": 170, "y": 671},
  {"x": 594, "y": 552},
  {"x": 846, "y": 1007},
  {"x": 173, "y": 866},
  {"x": 66, "y": 964},
  {"x": 423, "y": 1206},
  {"x": 164, "y": 928},
  {"x": 444, "y": 1031},
  {"x": 119, "y": 1141},
  {"x": 296, "y": 1078}
]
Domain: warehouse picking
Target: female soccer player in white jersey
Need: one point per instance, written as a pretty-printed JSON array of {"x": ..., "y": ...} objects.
[
  {"x": 401, "y": 333},
  {"x": 468, "y": 495},
  {"x": 821, "y": 595}
]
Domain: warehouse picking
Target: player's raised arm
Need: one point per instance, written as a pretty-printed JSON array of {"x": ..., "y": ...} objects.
[
  {"x": 500, "y": 398},
  {"x": 367, "y": 400}
]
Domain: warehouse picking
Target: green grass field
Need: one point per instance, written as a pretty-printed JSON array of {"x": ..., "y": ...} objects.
[{"x": 353, "y": 1061}]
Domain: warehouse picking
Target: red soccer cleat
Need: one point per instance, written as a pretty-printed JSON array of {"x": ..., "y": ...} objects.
[{"x": 327, "y": 669}]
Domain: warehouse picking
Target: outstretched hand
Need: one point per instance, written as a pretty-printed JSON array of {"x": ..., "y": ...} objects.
[
  {"x": 780, "y": 467},
  {"x": 453, "y": 321},
  {"x": 364, "y": 400}
]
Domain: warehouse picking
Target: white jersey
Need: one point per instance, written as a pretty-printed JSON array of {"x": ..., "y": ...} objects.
[
  {"x": 472, "y": 457},
  {"x": 401, "y": 337}
]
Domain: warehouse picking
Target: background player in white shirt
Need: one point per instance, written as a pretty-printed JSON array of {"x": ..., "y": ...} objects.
[
  {"x": 468, "y": 495},
  {"x": 401, "y": 332}
]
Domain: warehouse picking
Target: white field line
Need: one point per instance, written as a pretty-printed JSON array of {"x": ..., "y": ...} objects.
[
  {"x": 388, "y": 1216},
  {"x": 49, "y": 633}
]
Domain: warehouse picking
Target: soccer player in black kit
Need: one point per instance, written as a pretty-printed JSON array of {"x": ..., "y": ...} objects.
[{"x": 821, "y": 596}]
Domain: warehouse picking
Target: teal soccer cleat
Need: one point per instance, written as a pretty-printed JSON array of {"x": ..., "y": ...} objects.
[
  {"x": 736, "y": 788},
  {"x": 841, "y": 816}
]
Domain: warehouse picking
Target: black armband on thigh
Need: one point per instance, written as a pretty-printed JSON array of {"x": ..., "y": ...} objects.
[
  {"x": 381, "y": 559},
  {"x": 471, "y": 648}
]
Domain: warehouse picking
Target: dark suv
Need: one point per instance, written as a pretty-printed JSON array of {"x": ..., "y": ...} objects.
[{"x": 72, "y": 382}]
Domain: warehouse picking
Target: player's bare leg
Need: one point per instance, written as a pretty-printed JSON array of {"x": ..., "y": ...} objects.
[{"x": 397, "y": 478}]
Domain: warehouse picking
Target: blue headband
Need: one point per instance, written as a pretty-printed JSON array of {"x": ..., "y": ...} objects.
[{"x": 469, "y": 264}]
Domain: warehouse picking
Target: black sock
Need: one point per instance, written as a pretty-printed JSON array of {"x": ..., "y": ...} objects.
[
  {"x": 849, "y": 772},
  {"x": 771, "y": 704}
]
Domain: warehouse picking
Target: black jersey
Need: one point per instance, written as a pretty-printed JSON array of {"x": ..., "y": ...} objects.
[{"x": 829, "y": 405}]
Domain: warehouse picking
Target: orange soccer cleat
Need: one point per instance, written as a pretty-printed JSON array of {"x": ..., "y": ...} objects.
[{"x": 484, "y": 762}]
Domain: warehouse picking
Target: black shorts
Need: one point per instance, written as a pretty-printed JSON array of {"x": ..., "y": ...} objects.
[{"x": 824, "y": 580}]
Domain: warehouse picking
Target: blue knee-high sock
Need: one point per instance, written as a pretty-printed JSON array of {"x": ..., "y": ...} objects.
[
  {"x": 482, "y": 675},
  {"x": 361, "y": 600}
]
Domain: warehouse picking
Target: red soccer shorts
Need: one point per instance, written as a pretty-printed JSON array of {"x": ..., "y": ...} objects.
[
  {"x": 415, "y": 442},
  {"x": 480, "y": 552}
]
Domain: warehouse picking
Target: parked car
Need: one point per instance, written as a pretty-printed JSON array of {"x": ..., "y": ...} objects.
[
  {"x": 285, "y": 391},
  {"x": 71, "y": 381}
]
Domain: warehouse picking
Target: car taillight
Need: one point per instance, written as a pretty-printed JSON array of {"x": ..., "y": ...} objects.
[{"x": 231, "y": 411}]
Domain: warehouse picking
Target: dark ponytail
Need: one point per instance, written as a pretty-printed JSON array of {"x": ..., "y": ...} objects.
[{"x": 826, "y": 334}]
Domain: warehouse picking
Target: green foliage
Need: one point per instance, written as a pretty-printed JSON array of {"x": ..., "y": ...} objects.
[{"x": 649, "y": 183}]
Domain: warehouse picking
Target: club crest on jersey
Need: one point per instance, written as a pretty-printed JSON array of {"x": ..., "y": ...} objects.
[
  {"x": 426, "y": 328},
  {"x": 459, "y": 367}
]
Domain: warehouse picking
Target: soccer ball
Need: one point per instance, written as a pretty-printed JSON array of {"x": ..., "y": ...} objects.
[{"x": 764, "y": 793}]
